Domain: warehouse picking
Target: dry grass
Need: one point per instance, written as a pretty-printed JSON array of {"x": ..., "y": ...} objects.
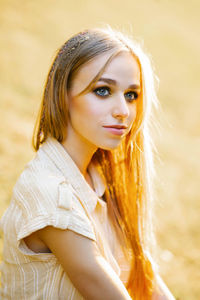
[{"x": 31, "y": 31}]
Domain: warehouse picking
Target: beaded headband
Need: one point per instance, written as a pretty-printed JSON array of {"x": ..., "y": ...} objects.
[
  {"x": 74, "y": 43},
  {"x": 68, "y": 48}
]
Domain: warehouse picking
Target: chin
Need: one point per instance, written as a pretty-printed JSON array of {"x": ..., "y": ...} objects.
[{"x": 111, "y": 146}]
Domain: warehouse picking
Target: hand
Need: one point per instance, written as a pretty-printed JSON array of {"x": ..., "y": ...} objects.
[{"x": 163, "y": 292}]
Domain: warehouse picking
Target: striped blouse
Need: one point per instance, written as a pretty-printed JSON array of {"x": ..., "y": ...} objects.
[{"x": 52, "y": 191}]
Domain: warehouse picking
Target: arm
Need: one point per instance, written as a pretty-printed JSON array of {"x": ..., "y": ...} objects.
[
  {"x": 164, "y": 292},
  {"x": 87, "y": 269}
]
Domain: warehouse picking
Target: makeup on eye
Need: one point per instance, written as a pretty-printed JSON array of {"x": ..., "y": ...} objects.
[
  {"x": 132, "y": 95},
  {"x": 105, "y": 91},
  {"x": 102, "y": 91}
]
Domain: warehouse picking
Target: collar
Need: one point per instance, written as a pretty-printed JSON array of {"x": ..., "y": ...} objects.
[
  {"x": 97, "y": 179},
  {"x": 63, "y": 161}
]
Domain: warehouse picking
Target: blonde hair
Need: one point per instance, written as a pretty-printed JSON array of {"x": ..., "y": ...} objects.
[{"x": 129, "y": 197}]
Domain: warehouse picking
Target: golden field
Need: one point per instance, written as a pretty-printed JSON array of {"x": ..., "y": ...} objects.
[{"x": 32, "y": 31}]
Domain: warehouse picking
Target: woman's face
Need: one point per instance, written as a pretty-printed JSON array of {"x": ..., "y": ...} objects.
[{"x": 110, "y": 103}]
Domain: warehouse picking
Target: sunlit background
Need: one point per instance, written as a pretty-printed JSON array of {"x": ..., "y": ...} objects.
[{"x": 31, "y": 32}]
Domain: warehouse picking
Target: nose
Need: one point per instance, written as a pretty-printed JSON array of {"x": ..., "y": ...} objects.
[{"x": 120, "y": 109}]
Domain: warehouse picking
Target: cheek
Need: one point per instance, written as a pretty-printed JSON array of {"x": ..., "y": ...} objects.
[
  {"x": 86, "y": 110},
  {"x": 89, "y": 106},
  {"x": 133, "y": 113}
]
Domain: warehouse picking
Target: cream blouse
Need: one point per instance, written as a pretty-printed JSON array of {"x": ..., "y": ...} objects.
[{"x": 52, "y": 191}]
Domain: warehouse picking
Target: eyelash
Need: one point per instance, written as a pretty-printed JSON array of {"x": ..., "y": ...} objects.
[{"x": 109, "y": 93}]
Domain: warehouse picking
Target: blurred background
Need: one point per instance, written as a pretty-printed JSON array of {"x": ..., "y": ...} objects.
[{"x": 32, "y": 31}]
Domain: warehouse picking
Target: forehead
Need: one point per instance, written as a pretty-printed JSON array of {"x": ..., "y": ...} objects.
[{"x": 123, "y": 68}]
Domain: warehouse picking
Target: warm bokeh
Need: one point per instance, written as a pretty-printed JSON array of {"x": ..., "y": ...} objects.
[{"x": 31, "y": 31}]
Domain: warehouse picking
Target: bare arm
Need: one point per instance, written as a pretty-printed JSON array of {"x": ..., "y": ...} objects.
[
  {"x": 164, "y": 292},
  {"x": 87, "y": 269}
]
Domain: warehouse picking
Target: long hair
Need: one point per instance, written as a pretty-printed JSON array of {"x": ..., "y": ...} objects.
[{"x": 129, "y": 197}]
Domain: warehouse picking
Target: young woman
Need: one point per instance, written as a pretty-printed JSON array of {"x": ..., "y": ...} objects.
[{"x": 79, "y": 223}]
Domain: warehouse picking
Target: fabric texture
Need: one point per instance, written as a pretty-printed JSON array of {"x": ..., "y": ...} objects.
[{"x": 52, "y": 191}]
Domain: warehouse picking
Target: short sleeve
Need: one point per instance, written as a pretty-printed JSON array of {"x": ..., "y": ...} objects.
[{"x": 47, "y": 200}]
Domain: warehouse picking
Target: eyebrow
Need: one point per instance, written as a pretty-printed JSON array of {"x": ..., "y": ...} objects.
[{"x": 114, "y": 82}]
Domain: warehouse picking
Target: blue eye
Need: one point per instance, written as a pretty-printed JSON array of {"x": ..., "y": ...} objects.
[
  {"x": 102, "y": 91},
  {"x": 130, "y": 96}
]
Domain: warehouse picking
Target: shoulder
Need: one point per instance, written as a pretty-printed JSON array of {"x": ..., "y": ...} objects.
[
  {"x": 44, "y": 197},
  {"x": 39, "y": 182},
  {"x": 40, "y": 170}
]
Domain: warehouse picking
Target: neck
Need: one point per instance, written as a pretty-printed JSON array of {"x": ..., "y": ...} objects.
[{"x": 80, "y": 151}]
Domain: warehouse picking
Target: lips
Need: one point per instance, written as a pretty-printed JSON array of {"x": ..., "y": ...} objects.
[
  {"x": 116, "y": 126},
  {"x": 117, "y": 130}
]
